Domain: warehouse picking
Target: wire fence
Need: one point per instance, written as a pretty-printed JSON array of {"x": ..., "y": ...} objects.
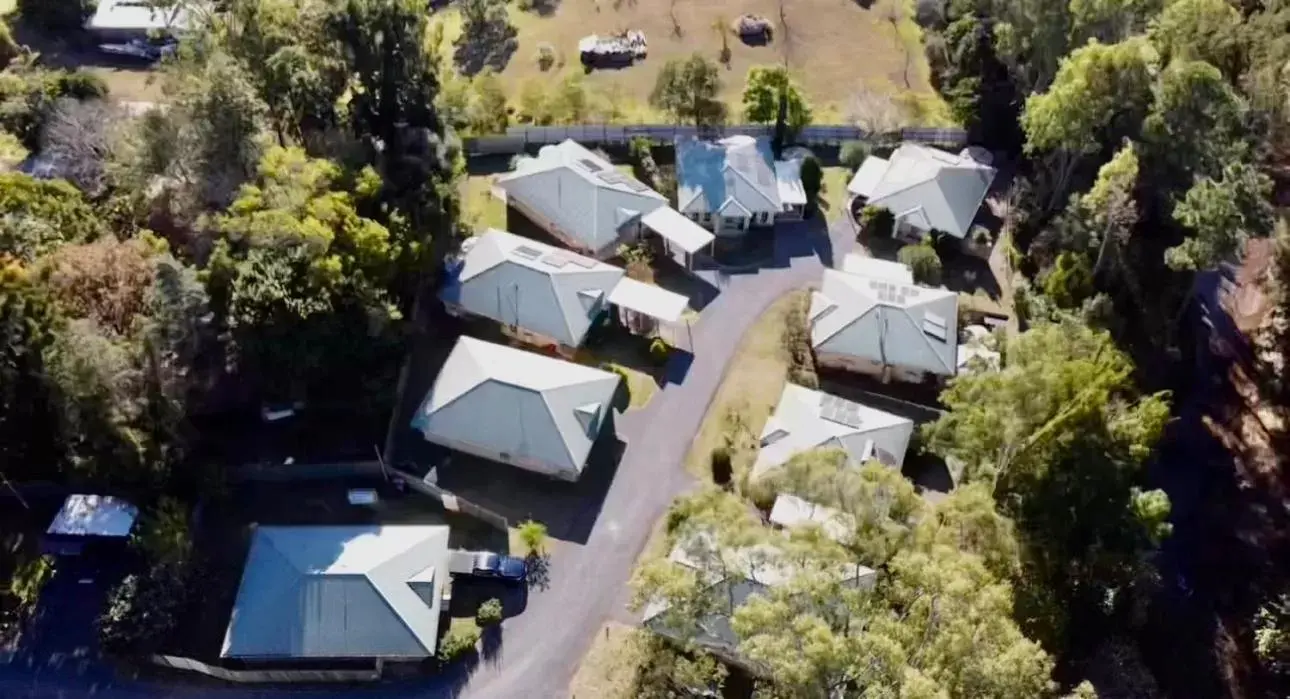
[{"x": 519, "y": 138}]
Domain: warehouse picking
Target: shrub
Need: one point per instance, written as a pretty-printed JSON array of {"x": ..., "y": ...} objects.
[
  {"x": 459, "y": 641},
  {"x": 796, "y": 341},
  {"x": 659, "y": 351},
  {"x": 1069, "y": 281},
  {"x": 853, "y": 154},
  {"x": 722, "y": 468},
  {"x": 545, "y": 56},
  {"x": 980, "y": 235},
  {"x": 29, "y": 577},
  {"x": 142, "y": 611},
  {"x": 923, "y": 262},
  {"x": 877, "y": 221},
  {"x": 532, "y": 536},
  {"x": 9, "y": 49},
  {"x": 489, "y": 613}
]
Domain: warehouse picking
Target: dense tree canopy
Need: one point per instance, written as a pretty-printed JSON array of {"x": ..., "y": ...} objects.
[
  {"x": 765, "y": 87},
  {"x": 687, "y": 89}
]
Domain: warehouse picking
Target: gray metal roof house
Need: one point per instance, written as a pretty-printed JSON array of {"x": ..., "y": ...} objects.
[
  {"x": 334, "y": 592},
  {"x": 885, "y": 328},
  {"x": 735, "y": 184},
  {"x": 531, "y": 411},
  {"x": 549, "y": 295},
  {"x": 925, "y": 188},
  {"x": 579, "y": 197}
]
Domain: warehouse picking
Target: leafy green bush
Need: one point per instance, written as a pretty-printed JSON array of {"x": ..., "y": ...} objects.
[
  {"x": 877, "y": 221},
  {"x": 923, "y": 261},
  {"x": 9, "y": 48},
  {"x": 659, "y": 351},
  {"x": 28, "y": 580},
  {"x": 1069, "y": 281},
  {"x": 459, "y": 641},
  {"x": 532, "y": 536},
  {"x": 980, "y": 235},
  {"x": 489, "y": 613},
  {"x": 143, "y": 610},
  {"x": 853, "y": 154}
]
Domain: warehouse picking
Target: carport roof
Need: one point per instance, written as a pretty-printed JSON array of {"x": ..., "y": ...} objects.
[
  {"x": 648, "y": 299},
  {"x": 94, "y": 515},
  {"x": 674, "y": 226}
]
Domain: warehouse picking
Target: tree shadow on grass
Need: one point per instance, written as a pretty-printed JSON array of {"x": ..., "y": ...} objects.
[
  {"x": 492, "y": 48},
  {"x": 544, "y": 8}
]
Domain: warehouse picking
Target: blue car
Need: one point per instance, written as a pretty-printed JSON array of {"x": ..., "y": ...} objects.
[{"x": 493, "y": 565}]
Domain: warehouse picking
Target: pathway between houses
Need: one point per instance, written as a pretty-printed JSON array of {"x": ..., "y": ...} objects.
[{"x": 541, "y": 648}]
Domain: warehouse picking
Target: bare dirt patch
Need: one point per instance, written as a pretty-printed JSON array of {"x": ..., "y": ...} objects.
[{"x": 609, "y": 667}]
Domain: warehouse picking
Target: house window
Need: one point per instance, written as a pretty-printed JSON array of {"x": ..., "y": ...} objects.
[
  {"x": 707, "y": 218},
  {"x": 735, "y": 222},
  {"x": 765, "y": 217}
]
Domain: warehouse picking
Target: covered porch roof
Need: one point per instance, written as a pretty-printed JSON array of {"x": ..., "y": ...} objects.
[
  {"x": 648, "y": 299},
  {"x": 674, "y": 226}
]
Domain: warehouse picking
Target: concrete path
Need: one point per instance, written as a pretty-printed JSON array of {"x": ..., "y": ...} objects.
[{"x": 541, "y": 648}]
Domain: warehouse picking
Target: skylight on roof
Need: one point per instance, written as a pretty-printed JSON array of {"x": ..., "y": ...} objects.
[
  {"x": 590, "y": 165},
  {"x": 583, "y": 262},
  {"x": 934, "y": 331},
  {"x": 773, "y": 437},
  {"x": 527, "y": 252}
]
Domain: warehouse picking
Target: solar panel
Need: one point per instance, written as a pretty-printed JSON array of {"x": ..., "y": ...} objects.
[
  {"x": 591, "y": 165},
  {"x": 840, "y": 410},
  {"x": 555, "y": 260},
  {"x": 584, "y": 262},
  {"x": 635, "y": 185},
  {"x": 611, "y": 177},
  {"x": 527, "y": 252}
]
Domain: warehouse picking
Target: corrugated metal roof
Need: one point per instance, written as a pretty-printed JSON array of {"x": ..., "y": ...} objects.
[
  {"x": 674, "y": 226},
  {"x": 713, "y": 175},
  {"x": 340, "y": 592},
  {"x": 94, "y": 515},
  {"x": 806, "y": 419},
  {"x": 543, "y": 289},
  {"x": 518, "y": 403},
  {"x": 651, "y": 300},
  {"x": 580, "y": 193},
  {"x": 887, "y": 322},
  {"x": 926, "y": 187}
]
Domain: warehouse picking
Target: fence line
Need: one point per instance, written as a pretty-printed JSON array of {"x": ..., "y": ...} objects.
[
  {"x": 518, "y": 138},
  {"x": 453, "y": 502},
  {"x": 263, "y": 676}
]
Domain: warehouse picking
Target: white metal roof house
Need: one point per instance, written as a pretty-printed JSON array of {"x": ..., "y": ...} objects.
[
  {"x": 752, "y": 571},
  {"x": 735, "y": 184},
  {"x": 549, "y": 295},
  {"x": 579, "y": 197},
  {"x": 515, "y": 407},
  {"x": 887, "y": 329},
  {"x": 136, "y": 19},
  {"x": 925, "y": 188},
  {"x": 340, "y": 592},
  {"x": 874, "y": 268},
  {"x": 806, "y": 419}
]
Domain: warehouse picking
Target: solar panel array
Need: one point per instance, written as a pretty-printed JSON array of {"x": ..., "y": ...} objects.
[
  {"x": 615, "y": 177},
  {"x": 556, "y": 260},
  {"x": 583, "y": 262},
  {"x": 840, "y": 410},
  {"x": 527, "y": 252},
  {"x": 889, "y": 292},
  {"x": 591, "y": 165}
]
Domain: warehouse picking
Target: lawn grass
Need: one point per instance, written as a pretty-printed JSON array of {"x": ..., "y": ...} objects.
[
  {"x": 833, "y": 193},
  {"x": 754, "y": 379},
  {"x": 608, "y": 669},
  {"x": 480, "y": 209},
  {"x": 834, "y": 49}
]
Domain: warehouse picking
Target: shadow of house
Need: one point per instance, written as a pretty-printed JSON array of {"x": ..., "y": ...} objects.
[{"x": 569, "y": 510}]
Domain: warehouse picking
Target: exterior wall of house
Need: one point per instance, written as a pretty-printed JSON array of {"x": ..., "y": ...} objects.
[
  {"x": 528, "y": 337},
  {"x": 483, "y": 452},
  {"x": 861, "y": 365},
  {"x": 792, "y": 213}
]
